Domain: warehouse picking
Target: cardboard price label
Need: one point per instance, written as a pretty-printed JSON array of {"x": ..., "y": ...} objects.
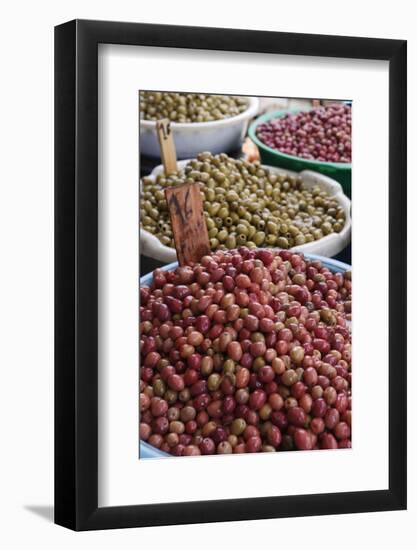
[{"x": 188, "y": 223}]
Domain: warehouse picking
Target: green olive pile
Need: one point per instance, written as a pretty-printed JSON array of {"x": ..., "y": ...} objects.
[
  {"x": 244, "y": 204},
  {"x": 180, "y": 107}
]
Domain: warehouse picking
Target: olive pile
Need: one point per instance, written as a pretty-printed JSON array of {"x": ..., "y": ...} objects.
[
  {"x": 244, "y": 204},
  {"x": 246, "y": 351},
  {"x": 181, "y": 107}
]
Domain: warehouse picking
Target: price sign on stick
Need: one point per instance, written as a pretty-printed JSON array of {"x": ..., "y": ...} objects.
[
  {"x": 166, "y": 143},
  {"x": 188, "y": 223}
]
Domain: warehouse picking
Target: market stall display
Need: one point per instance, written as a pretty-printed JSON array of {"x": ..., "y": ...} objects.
[
  {"x": 318, "y": 139},
  {"x": 249, "y": 348},
  {"x": 182, "y": 107},
  {"x": 247, "y": 351},
  {"x": 217, "y": 125},
  {"x": 249, "y": 204}
]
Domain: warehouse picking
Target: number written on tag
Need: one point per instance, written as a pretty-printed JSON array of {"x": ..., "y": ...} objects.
[{"x": 188, "y": 223}]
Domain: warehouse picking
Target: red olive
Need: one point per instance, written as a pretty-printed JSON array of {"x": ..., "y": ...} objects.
[{"x": 303, "y": 439}]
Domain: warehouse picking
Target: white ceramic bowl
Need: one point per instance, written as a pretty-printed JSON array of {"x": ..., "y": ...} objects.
[
  {"x": 328, "y": 246},
  {"x": 218, "y": 136}
]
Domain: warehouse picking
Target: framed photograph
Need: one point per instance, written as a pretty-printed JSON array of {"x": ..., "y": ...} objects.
[{"x": 230, "y": 284}]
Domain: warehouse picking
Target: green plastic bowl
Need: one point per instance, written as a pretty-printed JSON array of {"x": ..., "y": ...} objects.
[{"x": 340, "y": 171}]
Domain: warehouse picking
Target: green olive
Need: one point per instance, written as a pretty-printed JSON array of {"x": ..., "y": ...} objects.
[
  {"x": 326, "y": 228},
  {"x": 229, "y": 366},
  {"x": 231, "y": 242},
  {"x": 223, "y": 212},
  {"x": 147, "y": 220},
  {"x": 222, "y": 235},
  {"x": 241, "y": 211},
  {"x": 153, "y": 213},
  {"x": 251, "y": 231},
  {"x": 213, "y": 381},
  {"x": 272, "y": 227},
  {"x": 238, "y": 426},
  {"x": 300, "y": 239},
  {"x": 232, "y": 196},
  {"x": 242, "y": 229},
  {"x": 214, "y": 208},
  {"x": 210, "y": 194},
  {"x": 282, "y": 242},
  {"x": 210, "y": 223},
  {"x": 247, "y": 216},
  {"x": 159, "y": 387},
  {"x": 171, "y": 396},
  {"x": 165, "y": 240},
  {"x": 259, "y": 238}
]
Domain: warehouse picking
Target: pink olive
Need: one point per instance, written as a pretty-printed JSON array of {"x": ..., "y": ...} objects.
[{"x": 257, "y": 399}]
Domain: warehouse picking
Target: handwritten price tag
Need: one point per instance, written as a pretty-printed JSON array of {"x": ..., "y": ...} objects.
[
  {"x": 188, "y": 223},
  {"x": 166, "y": 143}
]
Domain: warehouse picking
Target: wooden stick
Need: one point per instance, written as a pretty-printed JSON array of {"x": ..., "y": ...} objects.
[
  {"x": 166, "y": 142},
  {"x": 188, "y": 222}
]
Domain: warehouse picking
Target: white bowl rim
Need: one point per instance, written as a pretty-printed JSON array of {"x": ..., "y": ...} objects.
[{"x": 253, "y": 104}]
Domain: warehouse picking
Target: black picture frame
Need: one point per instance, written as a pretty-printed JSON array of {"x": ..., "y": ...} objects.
[{"x": 76, "y": 270}]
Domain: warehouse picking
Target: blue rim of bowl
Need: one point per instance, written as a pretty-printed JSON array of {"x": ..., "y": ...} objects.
[
  {"x": 345, "y": 166},
  {"x": 148, "y": 451}
]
